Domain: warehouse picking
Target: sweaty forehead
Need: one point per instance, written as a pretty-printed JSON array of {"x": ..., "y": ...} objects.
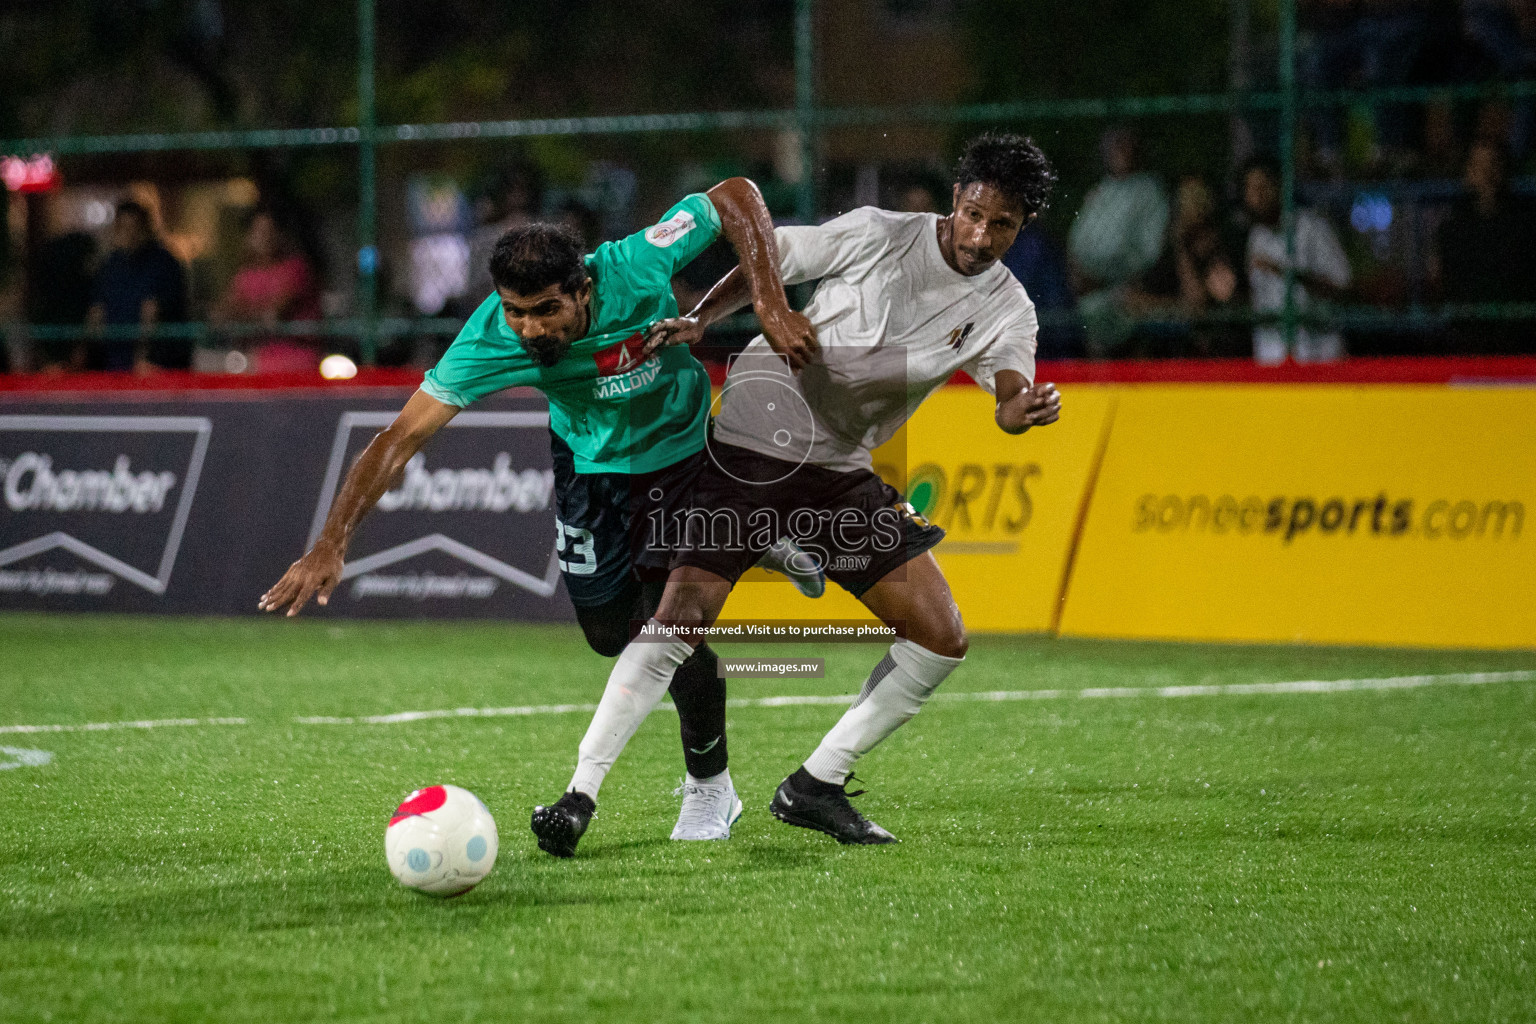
[
  {"x": 521, "y": 301},
  {"x": 990, "y": 200}
]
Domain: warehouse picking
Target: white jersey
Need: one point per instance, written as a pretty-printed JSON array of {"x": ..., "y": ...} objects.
[{"x": 894, "y": 322}]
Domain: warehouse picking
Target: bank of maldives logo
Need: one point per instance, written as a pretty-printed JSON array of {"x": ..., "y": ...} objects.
[
  {"x": 445, "y": 492},
  {"x": 114, "y": 492}
]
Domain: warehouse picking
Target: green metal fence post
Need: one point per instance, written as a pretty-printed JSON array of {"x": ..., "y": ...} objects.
[
  {"x": 367, "y": 187},
  {"x": 805, "y": 108},
  {"x": 1288, "y": 164}
]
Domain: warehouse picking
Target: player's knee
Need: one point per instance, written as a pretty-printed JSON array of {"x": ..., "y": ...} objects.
[
  {"x": 943, "y": 635},
  {"x": 685, "y": 604},
  {"x": 950, "y": 642}
]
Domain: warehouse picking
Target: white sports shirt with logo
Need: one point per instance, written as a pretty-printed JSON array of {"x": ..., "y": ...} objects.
[{"x": 894, "y": 322}]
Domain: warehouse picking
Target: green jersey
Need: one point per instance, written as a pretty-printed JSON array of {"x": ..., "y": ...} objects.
[{"x": 618, "y": 415}]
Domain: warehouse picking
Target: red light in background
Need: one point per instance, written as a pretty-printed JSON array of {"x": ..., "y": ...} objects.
[{"x": 37, "y": 174}]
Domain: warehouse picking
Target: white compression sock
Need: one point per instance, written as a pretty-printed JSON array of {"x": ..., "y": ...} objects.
[
  {"x": 635, "y": 687},
  {"x": 895, "y": 690}
]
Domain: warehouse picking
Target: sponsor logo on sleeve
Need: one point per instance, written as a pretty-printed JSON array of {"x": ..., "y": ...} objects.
[{"x": 668, "y": 231}]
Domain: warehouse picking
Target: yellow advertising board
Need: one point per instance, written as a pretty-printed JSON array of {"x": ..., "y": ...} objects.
[
  {"x": 1009, "y": 505},
  {"x": 1318, "y": 513}
]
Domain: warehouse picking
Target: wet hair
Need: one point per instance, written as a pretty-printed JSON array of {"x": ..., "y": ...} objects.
[
  {"x": 531, "y": 257},
  {"x": 1013, "y": 165}
]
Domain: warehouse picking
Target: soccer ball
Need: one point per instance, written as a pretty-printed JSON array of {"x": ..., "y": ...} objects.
[{"x": 441, "y": 840}]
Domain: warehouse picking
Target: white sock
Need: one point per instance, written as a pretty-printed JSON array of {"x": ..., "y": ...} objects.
[
  {"x": 635, "y": 686},
  {"x": 899, "y": 686},
  {"x": 722, "y": 779}
]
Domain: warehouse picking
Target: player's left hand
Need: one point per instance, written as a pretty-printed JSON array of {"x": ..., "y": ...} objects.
[
  {"x": 1032, "y": 407},
  {"x": 679, "y": 330}
]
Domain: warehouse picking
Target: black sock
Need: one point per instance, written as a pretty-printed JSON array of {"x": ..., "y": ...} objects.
[
  {"x": 805, "y": 782},
  {"x": 699, "y": 693}
]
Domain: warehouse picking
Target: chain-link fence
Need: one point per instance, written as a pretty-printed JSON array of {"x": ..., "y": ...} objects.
[{"x": 1356, "y": 188}]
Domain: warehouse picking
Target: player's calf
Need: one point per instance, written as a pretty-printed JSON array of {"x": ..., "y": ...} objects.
[{"x": 896, "y": 689}]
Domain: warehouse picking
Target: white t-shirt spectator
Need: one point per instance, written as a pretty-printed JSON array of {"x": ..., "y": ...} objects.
[{"x": 1319, "y": 254}]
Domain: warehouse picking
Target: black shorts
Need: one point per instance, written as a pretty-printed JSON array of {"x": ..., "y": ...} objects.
[
  {"x": 857, "y": 526},
  {"x": 603, "y": 523}
]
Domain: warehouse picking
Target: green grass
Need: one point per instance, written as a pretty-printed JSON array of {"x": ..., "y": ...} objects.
[{"x": 1349, "y": 856}]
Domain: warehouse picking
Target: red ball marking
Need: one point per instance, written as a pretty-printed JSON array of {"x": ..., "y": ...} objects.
[{"x": 420, "y": 802}]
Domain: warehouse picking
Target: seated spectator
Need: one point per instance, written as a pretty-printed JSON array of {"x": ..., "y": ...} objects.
[
  {"x": 1484, "y": 253},
  {"x": 1117, "y": 236},
  {"x": 140, "y": 283},
  {"x": 1194, "y": 277},
  {"x": 1037, "y": 261},
  {"x": 274, "y": 285},
  {"x": 1322, "y": 270}
]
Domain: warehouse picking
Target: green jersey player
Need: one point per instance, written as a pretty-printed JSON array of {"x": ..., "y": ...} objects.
[{"x": 627, "y": 425}]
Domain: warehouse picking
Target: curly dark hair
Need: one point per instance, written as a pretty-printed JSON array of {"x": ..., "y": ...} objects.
[
  {"x": 1013, "y": 165},
  {"x": 531, "y": 257}
]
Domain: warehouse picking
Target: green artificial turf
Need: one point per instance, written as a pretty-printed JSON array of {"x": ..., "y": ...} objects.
[{"x": 1283, "y": 857}]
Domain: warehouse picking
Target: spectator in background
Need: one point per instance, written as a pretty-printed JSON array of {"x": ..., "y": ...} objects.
[
  {"x": 140, "y": 283},
  {"x": 1117, "y": 236},
  {"x": 916, "y": 198},
  {"x": 582, "y": 219},
  {"x": 515, "y": 200},
  {"x": 1322, "y": 270},
  {"x": 1196, "y": 276},
  {"x": 1486, "y": 252},
  {"x": 61, "y": 296},
  {"x": 274, "y": 284},
  {"x": 1363, "y": 44},
  {"x": 1325, "y": 60},
  {"x": 1504, "y": 33},
  {"x": 1041, "y": 267},
  {"x": 1391, "y": 36}
]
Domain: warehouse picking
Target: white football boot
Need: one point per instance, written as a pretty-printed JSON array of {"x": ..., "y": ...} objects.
[
  {"x": 788, "y": 559},
  {"x": 709, "y": 808}
]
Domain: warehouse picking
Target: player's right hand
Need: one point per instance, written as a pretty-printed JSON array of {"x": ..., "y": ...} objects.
[
  {"x": 679, "y": 330},
  {"x": 791, "y": 335},
  {"x": 317, "y": 573}
]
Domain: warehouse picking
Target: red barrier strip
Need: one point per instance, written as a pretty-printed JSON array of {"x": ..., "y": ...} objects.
[
  {"x": 184, "y": 380},
  {"x": 1446, "y": 370}
]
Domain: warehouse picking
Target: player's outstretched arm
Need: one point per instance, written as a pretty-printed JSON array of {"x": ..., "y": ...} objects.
[
  {"x": 745, "y": 223},
  {"x": 1020, "y": 407},
  {"x": 375, "y": 471},
  {"x": 729, "y": 294}
]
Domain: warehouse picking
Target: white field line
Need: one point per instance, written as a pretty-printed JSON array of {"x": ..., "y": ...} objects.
[
  {"x": 1001, "y": 696},
  {"x": 158, "y": 723},
  {"x": 1227, "y": 690}
]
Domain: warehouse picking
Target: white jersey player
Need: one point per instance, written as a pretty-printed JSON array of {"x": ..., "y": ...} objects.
[{"x": 904, "y": 301}]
